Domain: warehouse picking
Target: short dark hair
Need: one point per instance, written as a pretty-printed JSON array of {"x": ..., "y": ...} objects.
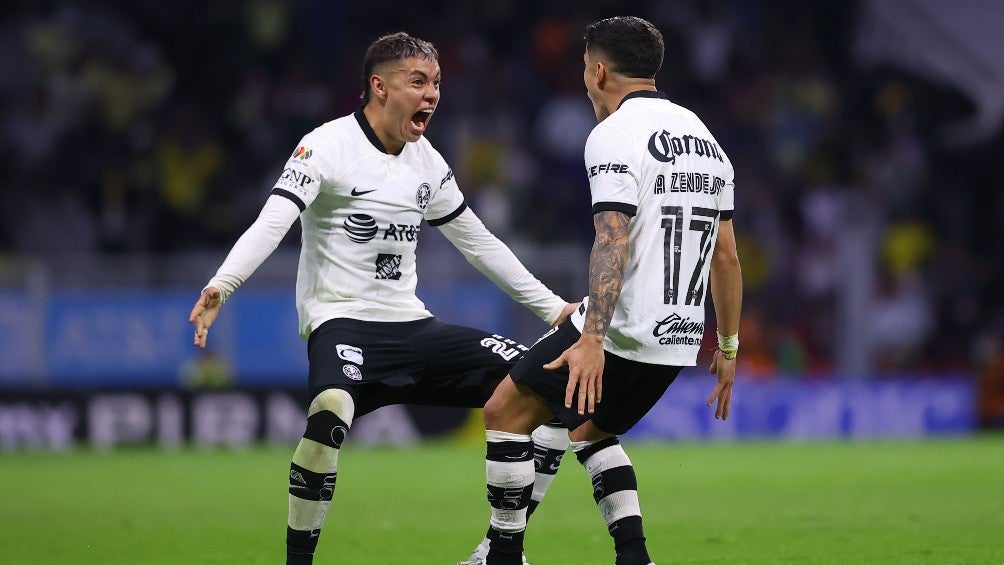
[
  {"x": 393, "y": 47},
  {"x": 633, "y": 45}
]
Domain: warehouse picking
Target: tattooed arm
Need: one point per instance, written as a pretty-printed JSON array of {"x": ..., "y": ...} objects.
[
  {"x": 606, "y": 276},
  {"x": 606, "y": 270}
]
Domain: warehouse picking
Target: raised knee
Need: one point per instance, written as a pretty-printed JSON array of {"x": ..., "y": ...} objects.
[{"x": 334, "y": 400}]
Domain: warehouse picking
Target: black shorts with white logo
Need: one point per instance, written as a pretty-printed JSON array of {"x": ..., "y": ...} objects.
[
  {"x": 630, "y": 388},
  {"x": 426, "y": 361}
]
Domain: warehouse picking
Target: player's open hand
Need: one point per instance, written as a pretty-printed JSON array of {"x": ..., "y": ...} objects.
[
  {"x": 726, "y": 371},
  {"x": 585, "y": 372},
  {"x": 207, "y": 307}
]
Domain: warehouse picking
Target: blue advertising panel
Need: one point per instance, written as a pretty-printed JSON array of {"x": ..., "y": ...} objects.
[
  {"x": 266, "y": 348},
  {"x": 20, "y": 340},
  {"x": 141, "y": 340},
  {"x": 813, "y": 410},
  {"x": 116, "y": 337}
]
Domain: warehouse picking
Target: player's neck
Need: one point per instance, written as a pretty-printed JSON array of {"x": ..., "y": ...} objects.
[
  {"x": 616, "y": 91},
  {"x": 377, "y": 120},
  {"x": 628, "y": 88}
]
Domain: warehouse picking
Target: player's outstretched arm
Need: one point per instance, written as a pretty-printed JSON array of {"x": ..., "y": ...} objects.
[
  {"x": 204, "y": 313},
  {"x": 727, "y": 292},
  {"x": 606, "y": 277},
  {"x": 250, "y": 251},
  {"x": 496, "y": 261}
]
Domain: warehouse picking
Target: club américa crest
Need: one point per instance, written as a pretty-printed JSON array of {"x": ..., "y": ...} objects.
[{"x": 424, "y": 193}]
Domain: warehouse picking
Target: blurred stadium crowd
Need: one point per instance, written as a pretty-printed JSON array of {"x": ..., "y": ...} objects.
[{"x": 868, "y": 242}]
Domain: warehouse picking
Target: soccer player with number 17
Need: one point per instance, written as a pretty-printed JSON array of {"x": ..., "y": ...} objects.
[{"x": 662, "y": 193}]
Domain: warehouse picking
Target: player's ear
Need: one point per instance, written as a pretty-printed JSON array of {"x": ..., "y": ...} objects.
[
  {"x": 378, "y": 86},
  {"x": 601, "y": 74}
]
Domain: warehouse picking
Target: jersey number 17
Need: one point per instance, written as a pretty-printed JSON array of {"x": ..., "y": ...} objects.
[{"x": 703, "y": 221}]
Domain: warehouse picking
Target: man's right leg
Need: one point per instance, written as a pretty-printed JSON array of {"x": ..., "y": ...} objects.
[
  {"x": 313, "y": 471},
  {"x": 550, "y": 442}
]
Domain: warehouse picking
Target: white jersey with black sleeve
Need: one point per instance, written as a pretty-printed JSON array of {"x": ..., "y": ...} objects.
[
  {"x": 657, "y": 162},
  {"x": 361, "y": 211}
]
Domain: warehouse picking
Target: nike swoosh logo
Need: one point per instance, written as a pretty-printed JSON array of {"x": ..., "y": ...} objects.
[
  {"x": 524, "y": 454},
  {"x": 357, "y": 192}
]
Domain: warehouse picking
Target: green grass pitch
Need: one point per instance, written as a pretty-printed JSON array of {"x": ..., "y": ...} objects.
[{"x": 938, "y": 501}]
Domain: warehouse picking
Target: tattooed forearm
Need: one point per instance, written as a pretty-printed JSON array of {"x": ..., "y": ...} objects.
[{"x": 606, "y": 269}]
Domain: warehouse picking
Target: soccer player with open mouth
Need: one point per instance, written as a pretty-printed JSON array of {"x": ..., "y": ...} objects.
[{"x": 362, "y": 186}]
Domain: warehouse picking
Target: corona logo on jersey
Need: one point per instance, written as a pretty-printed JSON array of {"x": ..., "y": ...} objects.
[
  {"x": 424, "y": 193},
  {"x": 677, "y": 330},
  {"x": 302, "y": 153},
  {"x": 665, "y": 147}
]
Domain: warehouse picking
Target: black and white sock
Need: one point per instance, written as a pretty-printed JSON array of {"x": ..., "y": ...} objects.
[
  {"x": 615, "y": 489},
  {"x": 549, "y": 446},
  {"x": 509, "y": 473},
  {"x": 313, "y": 472}
]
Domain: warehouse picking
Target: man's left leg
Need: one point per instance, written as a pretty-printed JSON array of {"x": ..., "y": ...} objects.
[
  {"x": 615, "y": 490},
  {"x": 511, "y": 415},
  {"x": 314, "y": 470},
  {"x": 628, "y": 395}
]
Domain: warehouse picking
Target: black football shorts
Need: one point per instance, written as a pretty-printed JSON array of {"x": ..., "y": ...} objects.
[
  {"x": 425, "y": 361},
  {"x": 630, "y": 388}
]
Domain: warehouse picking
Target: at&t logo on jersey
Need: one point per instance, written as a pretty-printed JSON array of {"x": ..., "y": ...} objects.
[
  {"x": 360, "y": 227},
  {"x": 401, "y": 232},
  {"x": 676, "y": 330}
]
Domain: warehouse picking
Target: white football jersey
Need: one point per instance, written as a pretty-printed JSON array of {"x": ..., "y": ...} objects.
[
  {"x": 361, "y": 213},
  {"x": 657, "y": 162}
]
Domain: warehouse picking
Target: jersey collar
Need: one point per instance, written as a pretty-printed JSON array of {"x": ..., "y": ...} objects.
[
  {"x": 643, "y": 94},
  {"x": 370, "y": 134}
]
